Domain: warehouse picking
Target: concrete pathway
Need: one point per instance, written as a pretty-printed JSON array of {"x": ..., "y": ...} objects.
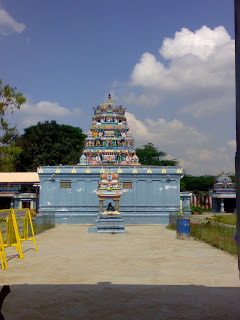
[{"x": 144, "y": 274}]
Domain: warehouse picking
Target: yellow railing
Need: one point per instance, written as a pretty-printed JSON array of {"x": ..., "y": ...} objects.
[{"x": 14, "y": 229}]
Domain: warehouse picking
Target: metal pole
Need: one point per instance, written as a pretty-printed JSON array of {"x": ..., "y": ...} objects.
[{"x": 237, "y": 81}]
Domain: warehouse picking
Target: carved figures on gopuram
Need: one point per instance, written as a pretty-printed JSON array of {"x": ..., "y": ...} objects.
[{"x": 109, "y": 140}]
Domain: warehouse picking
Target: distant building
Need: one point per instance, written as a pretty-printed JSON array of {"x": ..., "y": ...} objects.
[
  {"x": 203, "y": 200},
  {"x": 223, "y": 195},
  {"x": 18, "y": 190}
]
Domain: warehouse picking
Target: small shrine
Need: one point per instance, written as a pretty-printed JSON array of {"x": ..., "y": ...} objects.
[
  {"x": 109, "y": 140},
  {"x": 223, "y": 195},
  {"x": 109, "y": 187},
  {"x": 110, "y": 220}
]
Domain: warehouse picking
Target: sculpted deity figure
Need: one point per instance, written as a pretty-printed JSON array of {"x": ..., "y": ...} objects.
[
  {"x": 98, "y": 158},
  {"x": 128, "y": 158},
  {"x": 119, "y": 157},
  {"x": 83, "y": 159},
  {"x": 89, "y": 159},
  {"x": 135, "y": 159},
  {"x": 117, "y": 133}
]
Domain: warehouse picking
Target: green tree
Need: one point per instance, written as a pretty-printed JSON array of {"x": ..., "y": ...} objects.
[
  {"x": 197, "y": 184},
  {"x": 148, "y": 154},
  {"x": 10, "y": 99},
  {"x": 49, "y": 143}
]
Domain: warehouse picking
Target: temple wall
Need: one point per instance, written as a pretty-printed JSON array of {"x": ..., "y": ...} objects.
[{"x": 147, "y": 197}]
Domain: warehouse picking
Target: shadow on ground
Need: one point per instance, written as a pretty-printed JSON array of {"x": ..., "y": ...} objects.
[{"x": 117, "y": 302}]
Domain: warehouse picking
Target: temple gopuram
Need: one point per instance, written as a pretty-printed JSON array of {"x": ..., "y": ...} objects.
[
  {"x": 72, "y": 193},
  {"x": 109, "y": 140}
]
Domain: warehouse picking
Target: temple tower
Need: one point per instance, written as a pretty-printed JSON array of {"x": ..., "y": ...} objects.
[{"x": 109, "y": 140}]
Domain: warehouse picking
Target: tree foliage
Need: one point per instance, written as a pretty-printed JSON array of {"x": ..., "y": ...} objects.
[
  {"x": 10, "y": 99},
  {"x": 49, "y": 143},
  {"x": 197, "y": 184},
  {"x": 148, "y": 154}
]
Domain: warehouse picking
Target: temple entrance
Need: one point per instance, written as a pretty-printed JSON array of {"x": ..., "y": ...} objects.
[
  {"x": 5, "y": 203},
  {"x": 230, "y": 205},
  {"x": 26, "y": 204}
]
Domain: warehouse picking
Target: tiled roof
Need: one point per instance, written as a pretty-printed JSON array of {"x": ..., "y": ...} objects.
[{"x": 19, "y": 177}]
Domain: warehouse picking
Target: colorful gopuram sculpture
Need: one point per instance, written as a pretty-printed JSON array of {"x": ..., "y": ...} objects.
[
  {"x": 109, "y": 187},
  {"x": 109, "y": 140}
]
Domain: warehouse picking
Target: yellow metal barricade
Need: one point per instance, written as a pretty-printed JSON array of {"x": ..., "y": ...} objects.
[
  {"x": 14, "y": 228},
  {"x": 9, "y": 231},
  {"x": 23, "y": 220},
  {"x": 2, "y": 251}
]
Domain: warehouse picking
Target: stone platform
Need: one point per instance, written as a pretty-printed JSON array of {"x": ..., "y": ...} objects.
[{"x": 109, "y": 222}]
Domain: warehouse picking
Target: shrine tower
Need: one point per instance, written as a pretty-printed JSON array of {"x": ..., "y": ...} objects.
[{"x": 109, "y": 140}]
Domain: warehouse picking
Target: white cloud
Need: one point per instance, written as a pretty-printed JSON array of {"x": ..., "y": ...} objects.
[
  {"x": 31, "y": 113},
  {"x": 191, "y": 86},
  {"x": 202, "y": 43},
  {"x": 185, "y": 143},
  {"x": 45, "y": 108},
  {"x": 206, "y": 107},
  {"x": 201, "y": 66},
  {"x": 9, "y": 24},
  {"x": 164, "y": 133}
]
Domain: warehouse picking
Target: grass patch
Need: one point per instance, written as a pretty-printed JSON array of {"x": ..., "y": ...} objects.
[
  {"x": 215, "y": 235},
  {"x": 38, "y": 228},
  {"x": 170, "y": 227},
  {"x": 226, "y": 219}
]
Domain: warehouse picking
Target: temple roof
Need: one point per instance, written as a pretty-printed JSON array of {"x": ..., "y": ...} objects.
[
  {"x": 19, "y": 177},
  {"x": 223, "y": 184},
  {"x": 223, "y": 178}
]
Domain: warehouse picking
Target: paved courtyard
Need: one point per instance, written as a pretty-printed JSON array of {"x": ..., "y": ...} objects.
[{"x": 146, "y": 274}]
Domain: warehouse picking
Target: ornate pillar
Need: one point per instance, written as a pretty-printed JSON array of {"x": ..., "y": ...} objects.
[
  {"x": 117, "y": 204},
  {"x": 222, "y": 205},
  {"x": 100, "y": 205}
]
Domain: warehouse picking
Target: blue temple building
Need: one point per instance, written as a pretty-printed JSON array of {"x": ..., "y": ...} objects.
[
  {"x": 223, "y": 195},
  {"x": 150, "y": 193}
]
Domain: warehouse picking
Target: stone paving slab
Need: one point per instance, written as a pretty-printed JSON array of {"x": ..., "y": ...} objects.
[{"x": 144, "y": 274}]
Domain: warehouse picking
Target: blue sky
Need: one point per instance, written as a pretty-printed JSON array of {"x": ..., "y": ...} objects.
[{"x": 169, "y": 62}]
